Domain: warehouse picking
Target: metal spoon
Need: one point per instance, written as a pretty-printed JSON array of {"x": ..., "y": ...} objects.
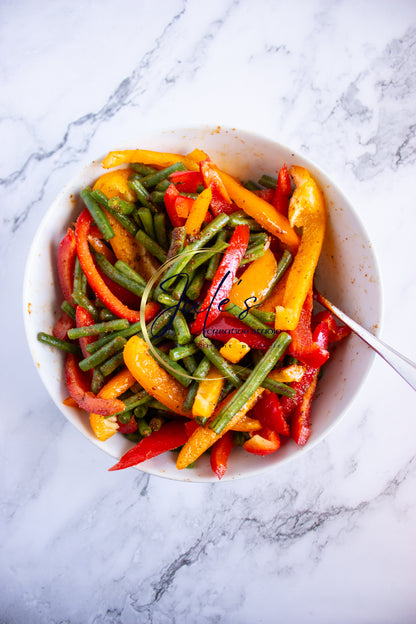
[{"x": 401, "y": 364}]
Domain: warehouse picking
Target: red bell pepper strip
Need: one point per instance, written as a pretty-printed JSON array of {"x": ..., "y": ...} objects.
[
  {"x": 220, "y": 453},
  {"x": 282, "y": 191},
  {"x": 129, "y": 427},
  {"x": 227, "y": 326},
  {"x": 183, "y": 206},
  {"x": 66, "y": 262},
  {"x": 96, "y": 281},
  {"x": 263, "y": 443},
  {"x": 266, "y": 194},
  {"x": 79, "y": 389},
  {"x": 269, "y": 412},
  {"x": 171, "y": 194},
  {"x": 125, "y": 296},
  {"x": 336, "y": 332},
  {"x": 223, "y": 279},
  {"x": 83, "y": 318},
  {"x": 60, "y": 329},
  {"x": 171, "y": 435},
  {"x": 302, "y": 346},
  {"x": 186, "y": 181},
  {"x": 220, "y": 201}
]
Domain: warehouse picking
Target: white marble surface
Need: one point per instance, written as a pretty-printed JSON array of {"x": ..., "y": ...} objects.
[{"x": 327, "y": 538}]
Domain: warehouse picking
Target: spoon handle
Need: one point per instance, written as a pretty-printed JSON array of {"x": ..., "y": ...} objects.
[{"x": 401, "y": 364}]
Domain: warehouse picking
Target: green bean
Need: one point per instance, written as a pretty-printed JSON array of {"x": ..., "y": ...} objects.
[
  {"x": 143, "y": 169},
  {"x": 63, "y": 345},
  {"x": 80, "y": 283},
  {"x": 215, "y": 260},
  {"x": 175, "y": 369},
  {"x": 143, "y": 196},
  {"x": 144, "y": 428},
  {"x": 97, "y": 213},
  {"x": 155, "y": 328},
  {"x": 252, "y": 186},
  {"x": 157, "y": 197},
  {"x": 151, "y": 245},
  {"x": 124, "y": 333},
  {"x": 240, "y": 437},
  {"x": 190, "y": 363},
  {"x": 156, "y": 422},
  {"x": 82, "y": 300},
  {"x": 124, "y": 268},
  {"x": 159, "y": 222},
  {"x": 261, "y": 238},
  {"x": 217, "y": 360},
  {"x": 248, "y": 319},
  {"x": 205, "y": 236},
  {"x": 125, "y": 417},
  {"x": 182, "y": 284},
  {"x": 253, "y": 254},
  {"x": 136, "y": 400},
  {"x": 240, "y": 218},
  {"x": 97, "y": 328},
  {"x": 146, "y": 219},
  {"x": 268, "y": 181},
  {"x": 155, "y": 404},
  {"x": 118, "y": 277},
  {"x": 177, "y": 242},
  {"x": 112, "y": 364},
  {"x": 103, "y": 354},
  {"x": 228, "y": 387},
  {"x": 277, "y": 387},
  {"x": 282, "y": 267},
  {"x": 154, "y": 178},
  {"x": 141, "y": 411},
  {"x": 178, "y": 353},
  {"x": 121, "y": 206},
  {"x": 200, "y": 373},
  {"x": 183, "y": 335},
  {"x": 254, "y": 380},
  {"x": 97, "y": 380},
  {"x": 122, "y": 219},
  {"x": 190, "y": 397},
  {"x": 163, "y": 185},
  {"x": 106, "y": 315},
  {"x": 201, "y": 258},
  {"x": 196, "y": 284},
  {"x": 265, "y": 317},
  {"x": 68, "y": 309}
]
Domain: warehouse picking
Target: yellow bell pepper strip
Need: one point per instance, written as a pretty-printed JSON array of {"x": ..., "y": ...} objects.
[
  {"x": 306, "y": 211},
  {"x": 152, "y": 377},
  {"x": 148, "y": 157},
  {"x": 260, "y": 210},
  {"x": 208, "y": 393},
  {"x": 234, "y": 350},
  {"x": 104, "y": 428},
  {"x": 247, "y": 424},
  {"x": 198, "y": 212},
  {"x": 254, "y": 283},
  {"x": 115, "y": 184},
  {"x": 287, "y": 374},
  {"x": 204, "y": 437}
]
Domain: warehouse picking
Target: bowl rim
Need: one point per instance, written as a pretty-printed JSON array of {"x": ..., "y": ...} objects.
[{"x": 315, "y": 170}]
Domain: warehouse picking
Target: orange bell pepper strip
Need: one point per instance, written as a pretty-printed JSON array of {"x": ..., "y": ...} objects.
[
  {"x": 153, "y": 377},
  {"x": 306, "y": 211},
  {"x": 254, "y": 283},
  {"x": 114, "y": 184},
  {"x": 198, "y": 212},
  {"x": 208, "y": 393},
  {"x": 148, "y": 157},
  {"x": 104, "y": 428},
  {"x": 204, "y": 437},
  {"x": 263, "y": 443},
  {"x": 260, "y": 210}
]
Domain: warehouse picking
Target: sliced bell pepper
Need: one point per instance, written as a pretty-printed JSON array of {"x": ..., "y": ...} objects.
[
  {"x": 171, "y": 435},
  {"x": 104, "y": 428},
  {"x": 254, "y": 283},
  {"x": 302, "y": 346},
  {"x": 129, "y": 427},
  {"x": 226, "y": 326},
  {"x": 223, "y": 279},
  {"x": 266, "y": 194},
  {"x": 95, "y": 280},
  {"x": 208, "y": 393},
  {"x": 83, "y": 318},
  {"x": 183, "y": 206},
  {"x": 282, "y": 191},
  {"x": 171, "y": 195},
  {"x": 153, "y": 377},
  {"x": 220, "y": 453},
  {"x": 60, "y": 329},
  {"x": 99, "y": 246},
  {"x": 204, "y": 437},
  {"x": 261, "y": 211},
  {"x": 287, "y": 374},
  {"x": 67, "y": 251},
  {"x": 300, "y": 422},
  {"x": 79, "y": 389},
  {"x": 306, "y": 211},
  {"x": 186, "y": 181},
  {"x": 148, "y": 157},
  {"x": 263, "y": 443},
  {"x": 115, "y": 184},
  {"x": 220, "y": 200},
  {"x": 269, "y": 412},
  {"x": 198, "y": 212},
  {"x": 336, "y": 332},
  {"x": 234, "y": 350}
]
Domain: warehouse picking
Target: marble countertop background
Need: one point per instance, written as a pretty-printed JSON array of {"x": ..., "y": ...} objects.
[{"x": 328, "y": 538}]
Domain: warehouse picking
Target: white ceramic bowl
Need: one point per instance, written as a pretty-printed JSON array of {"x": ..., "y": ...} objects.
[{"x": 347, "y": 275}]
